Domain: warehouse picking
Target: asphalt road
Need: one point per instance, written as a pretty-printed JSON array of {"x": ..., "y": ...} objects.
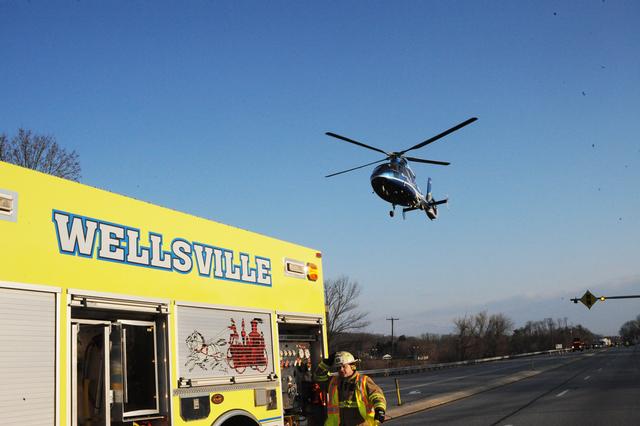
[
  {"x": 591, "y": 388},
  {"x": 415, "y": 387}
]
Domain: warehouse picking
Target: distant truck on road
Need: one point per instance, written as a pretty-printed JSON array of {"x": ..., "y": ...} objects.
[
  {"x": 577, "y": 344},
  {"x": 605, "y": 342}
]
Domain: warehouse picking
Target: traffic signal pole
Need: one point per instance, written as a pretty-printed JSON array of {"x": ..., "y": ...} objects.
[
  {"x": 603, "y": 298},
  {"x": 589, "y": 299}
]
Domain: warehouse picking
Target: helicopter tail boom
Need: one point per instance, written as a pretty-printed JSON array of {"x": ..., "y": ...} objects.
[
  {"x": 428, "y": 204},
  {"x": 430, "y": 208}
]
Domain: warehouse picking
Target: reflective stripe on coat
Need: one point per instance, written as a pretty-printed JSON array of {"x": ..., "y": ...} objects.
[{"x": 362, "y": 402}]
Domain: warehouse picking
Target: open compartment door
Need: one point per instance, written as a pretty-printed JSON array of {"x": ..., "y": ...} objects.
[{"x": 134, "y": 373}]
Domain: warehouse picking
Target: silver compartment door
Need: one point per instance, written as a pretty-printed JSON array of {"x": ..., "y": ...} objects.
[{"x": 27, "y": 357}]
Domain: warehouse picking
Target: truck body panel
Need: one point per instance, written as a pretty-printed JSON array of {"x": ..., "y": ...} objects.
[{"x": 146, "y": 312}]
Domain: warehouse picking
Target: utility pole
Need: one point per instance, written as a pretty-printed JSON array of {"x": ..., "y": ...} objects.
[{"x": 392, "y": 321}]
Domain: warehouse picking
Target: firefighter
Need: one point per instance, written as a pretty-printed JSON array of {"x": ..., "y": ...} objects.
[{"x": 353, "y": 398}]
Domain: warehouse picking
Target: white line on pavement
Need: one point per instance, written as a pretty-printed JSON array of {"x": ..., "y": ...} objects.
[
  {"x": 563, "y": 392},
  {"x": 429, "y": 384},
  {"x": 450, "y": 379}
]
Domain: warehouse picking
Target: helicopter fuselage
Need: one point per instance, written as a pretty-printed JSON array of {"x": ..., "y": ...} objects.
[{"x": 395, "y": 183}]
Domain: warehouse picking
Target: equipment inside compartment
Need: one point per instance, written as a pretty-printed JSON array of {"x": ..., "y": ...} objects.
[{"x": 300, "y": 350}]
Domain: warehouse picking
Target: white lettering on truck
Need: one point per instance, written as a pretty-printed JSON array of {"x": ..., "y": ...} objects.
[{"x": 118, "y": 243}]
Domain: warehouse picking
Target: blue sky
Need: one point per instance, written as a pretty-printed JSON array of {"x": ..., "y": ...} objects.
[{"x": 219, "y": 108}]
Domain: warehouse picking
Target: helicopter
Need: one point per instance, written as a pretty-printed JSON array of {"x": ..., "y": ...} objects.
[{"x": 395, "y": 182}]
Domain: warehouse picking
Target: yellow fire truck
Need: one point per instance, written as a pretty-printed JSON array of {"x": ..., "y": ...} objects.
[{"x": 114, "y": 311}]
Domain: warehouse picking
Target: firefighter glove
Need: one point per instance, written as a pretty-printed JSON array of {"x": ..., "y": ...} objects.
[{"x": 379, "y": 416}]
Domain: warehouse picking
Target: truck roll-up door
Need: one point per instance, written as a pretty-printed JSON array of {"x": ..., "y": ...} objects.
[
  {"x": 221, "y": 346},
  {"x": 27, "y": 357}
]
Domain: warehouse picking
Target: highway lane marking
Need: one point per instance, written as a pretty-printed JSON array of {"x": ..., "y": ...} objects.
[
  {"x": 451, "y": 379},
  {"x": 534, "y": 400},
  {"x": 587, "y": 378},
  {"x": 563, "y": 392},
  {"x": 428, "y": 384},
  {"x": 437, "y": 382}
]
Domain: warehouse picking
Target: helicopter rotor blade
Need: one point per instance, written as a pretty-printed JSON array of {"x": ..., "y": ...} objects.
[
  {"x": 355, "y": 142},
  {"x": 356, "y": 168},
  {"x": 441, "y": 135},
  {"x": 422, "y": 160}
]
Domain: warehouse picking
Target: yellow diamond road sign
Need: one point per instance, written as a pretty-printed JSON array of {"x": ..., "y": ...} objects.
[{"x": 588, "y": 299}]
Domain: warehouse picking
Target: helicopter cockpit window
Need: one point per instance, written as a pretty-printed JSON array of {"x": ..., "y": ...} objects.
[{"x": 409, "y": 174}]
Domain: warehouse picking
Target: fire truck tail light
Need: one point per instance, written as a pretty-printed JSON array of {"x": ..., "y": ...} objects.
[
  {"x": 312, "y": 272},
  {"x": 300, "y": 269}
]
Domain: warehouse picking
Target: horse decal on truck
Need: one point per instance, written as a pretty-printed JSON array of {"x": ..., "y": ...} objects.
[{"x": 205, "y": 354}]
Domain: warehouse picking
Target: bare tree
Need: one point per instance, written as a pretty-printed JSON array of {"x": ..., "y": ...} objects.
[
  {"x": 498, "y": 330},
  {"x": 479, "y": 331},
  {"x": 463, "y": 336},
  {"x": 481, "y": 335},
  {"x": 343, "y": 316},
  {"x": 40, "y": 152},
  {"x": 3, "y": 146}
]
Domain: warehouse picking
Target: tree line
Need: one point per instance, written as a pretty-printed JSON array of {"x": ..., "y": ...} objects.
[
  {"x": 474, "y": 336},
  {"x": 481, "y": 335},
  {"x": 630, "y": 331}
]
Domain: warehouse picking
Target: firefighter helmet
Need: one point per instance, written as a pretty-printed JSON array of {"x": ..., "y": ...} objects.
[{"x": 343, "y": 358}]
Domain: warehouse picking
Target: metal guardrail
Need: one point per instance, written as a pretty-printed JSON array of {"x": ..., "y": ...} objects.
[{"x": 428, "y": 367}]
